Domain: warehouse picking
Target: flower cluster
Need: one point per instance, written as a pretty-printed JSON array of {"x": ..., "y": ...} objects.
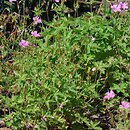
[
  {"x": 25, "y": 43},
  {"x": 111, "y": 94},
  {"x": 119, "y": 7}
]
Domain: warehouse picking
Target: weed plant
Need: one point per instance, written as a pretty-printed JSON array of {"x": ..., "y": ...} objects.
[{"x": 67, "y": 74}]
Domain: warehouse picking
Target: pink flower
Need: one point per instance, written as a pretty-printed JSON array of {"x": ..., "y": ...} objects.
[
  {"x": 24, "y": 43},
  {"x": 109, "y": 95},
  {"x": 61, "y": 105},
  {"x": 35, "y": 34},
  {"x": 116, "y": 8},
  {"x": 12, "y": 0},
  {"x": 123, "y": 5},
  {"x": 125, "y": 105},
  {"x": 119, "y": 7},
  {"x": 57, "y": 1},
  {"x": 37, "y": 20}
]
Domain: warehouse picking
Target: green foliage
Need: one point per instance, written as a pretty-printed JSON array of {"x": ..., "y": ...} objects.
[{"x": 76, "y": 61}]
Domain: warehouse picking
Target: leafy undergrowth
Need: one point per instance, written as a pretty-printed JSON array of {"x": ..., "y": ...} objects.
[{"x": 58, "y": 81}]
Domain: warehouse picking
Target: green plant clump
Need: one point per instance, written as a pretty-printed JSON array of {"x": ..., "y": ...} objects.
[{"x": 73, "y": 75}]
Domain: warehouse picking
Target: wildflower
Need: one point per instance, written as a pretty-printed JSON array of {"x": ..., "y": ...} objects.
[
  {"x": 37, "y": 20},
  {"x": 125, "y": 105},
  {"x": 116, "y": 8},
  {"x": 12, "y": 0},
  {"x": 61, "y": 105},
  {"x": 119, "y": 7},
  {"x": 35, "y": 34},
  {"x": 123, "y": 5},
  {"x": 57, "y": 1},
  {"x": 24, "y": 43},
  {"x": 109, "y": 95}
]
